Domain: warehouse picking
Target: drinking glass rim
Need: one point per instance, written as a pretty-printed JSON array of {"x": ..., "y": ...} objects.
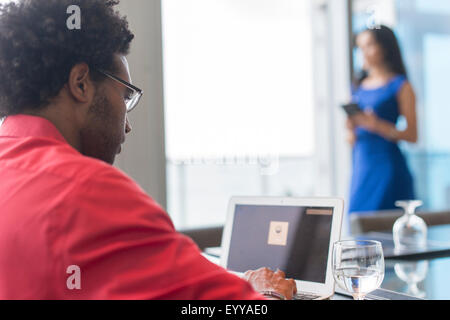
[{"x": 359, "y": 243}]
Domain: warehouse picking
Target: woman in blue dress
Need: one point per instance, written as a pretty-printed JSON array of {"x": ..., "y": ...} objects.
[{"x": 380, "y": 172}]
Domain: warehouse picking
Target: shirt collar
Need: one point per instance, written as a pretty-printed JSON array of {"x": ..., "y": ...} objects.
[{"x": 22, "y": 125}]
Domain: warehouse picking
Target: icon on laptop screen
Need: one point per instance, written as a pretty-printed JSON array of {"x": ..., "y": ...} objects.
[{"x": 278, "y": 233}]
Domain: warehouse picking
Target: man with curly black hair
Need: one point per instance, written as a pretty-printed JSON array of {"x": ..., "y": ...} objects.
[
  {"x": 71, "y": 225},
  {"x": 40, "y": 56}
]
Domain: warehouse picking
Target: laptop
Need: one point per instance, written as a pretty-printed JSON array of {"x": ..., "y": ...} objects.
[{"x": 295, "y": 235}]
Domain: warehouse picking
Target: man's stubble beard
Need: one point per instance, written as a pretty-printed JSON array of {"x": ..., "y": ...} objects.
[{"x": 96, "y": 136}]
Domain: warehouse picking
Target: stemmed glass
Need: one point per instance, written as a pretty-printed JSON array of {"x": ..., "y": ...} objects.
[
  {"x": 358, "y": 266},
  {"x": 410, "y": 230}
]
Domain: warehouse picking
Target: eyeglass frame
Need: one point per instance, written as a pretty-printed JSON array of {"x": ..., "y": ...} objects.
[{"x": 138, "y": 92}]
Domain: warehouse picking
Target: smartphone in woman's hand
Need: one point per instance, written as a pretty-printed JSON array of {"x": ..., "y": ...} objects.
[{"x": 352, "y": 109}]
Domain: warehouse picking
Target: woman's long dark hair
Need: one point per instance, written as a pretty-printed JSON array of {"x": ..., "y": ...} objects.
[{"x": 386, "y": 38}]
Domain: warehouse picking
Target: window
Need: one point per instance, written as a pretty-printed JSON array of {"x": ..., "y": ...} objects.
[{"x": 238, "y": 104}]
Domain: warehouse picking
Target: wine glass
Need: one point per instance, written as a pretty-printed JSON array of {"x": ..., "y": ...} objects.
[
  {"x": 410, "y": 230},
  {"x": 358, "y": 266}
]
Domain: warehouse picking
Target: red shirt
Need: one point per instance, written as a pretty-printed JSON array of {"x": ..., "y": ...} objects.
[{"x": 59, "y": 208}]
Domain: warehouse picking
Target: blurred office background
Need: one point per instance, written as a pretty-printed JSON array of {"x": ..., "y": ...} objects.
[{"x": 242, "y": 97}]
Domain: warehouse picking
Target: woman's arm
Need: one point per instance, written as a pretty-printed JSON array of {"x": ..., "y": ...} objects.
[
  {"x": 407, "y": 106},
  {"x": 351, "y": 136}
]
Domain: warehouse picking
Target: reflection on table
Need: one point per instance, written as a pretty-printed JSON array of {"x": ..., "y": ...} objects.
[{"x": 427, "y": 279}]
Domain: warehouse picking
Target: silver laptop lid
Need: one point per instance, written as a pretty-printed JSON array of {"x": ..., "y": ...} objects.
[{"x": 291, "y": 234}]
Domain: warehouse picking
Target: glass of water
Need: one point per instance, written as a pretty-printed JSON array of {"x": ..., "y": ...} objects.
[{"x": 358, "y": 266}]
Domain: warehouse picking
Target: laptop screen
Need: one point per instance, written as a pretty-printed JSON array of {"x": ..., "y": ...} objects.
[{"x": 292, "y": 239}]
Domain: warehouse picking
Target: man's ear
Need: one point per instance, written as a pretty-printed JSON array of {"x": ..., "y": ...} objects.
[{"x": 80, "y": 84}]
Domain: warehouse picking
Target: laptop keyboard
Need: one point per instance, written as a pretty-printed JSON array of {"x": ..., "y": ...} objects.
[{"x": 305, "y": 296}]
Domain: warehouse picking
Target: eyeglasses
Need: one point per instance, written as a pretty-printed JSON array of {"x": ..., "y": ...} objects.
[{"x": 133, "y": 98}]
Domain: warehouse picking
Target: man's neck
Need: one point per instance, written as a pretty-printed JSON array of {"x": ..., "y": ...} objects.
[{"x": 61, "y": 120}]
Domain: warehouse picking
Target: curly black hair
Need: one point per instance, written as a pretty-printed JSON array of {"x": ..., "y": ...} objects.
[{"x": 38, "y": 50}]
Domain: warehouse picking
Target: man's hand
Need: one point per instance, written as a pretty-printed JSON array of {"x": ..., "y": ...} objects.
[{"x": 265, "y": 279}]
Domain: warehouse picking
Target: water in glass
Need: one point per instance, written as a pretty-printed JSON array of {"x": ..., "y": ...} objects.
[{"x": 358, "y": 266}]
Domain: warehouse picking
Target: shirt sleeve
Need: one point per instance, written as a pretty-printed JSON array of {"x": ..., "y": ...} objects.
[{"x": 127, "y": 248}]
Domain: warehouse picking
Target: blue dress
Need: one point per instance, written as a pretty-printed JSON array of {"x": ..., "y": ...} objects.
[{"x": 380, "y": 172}]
